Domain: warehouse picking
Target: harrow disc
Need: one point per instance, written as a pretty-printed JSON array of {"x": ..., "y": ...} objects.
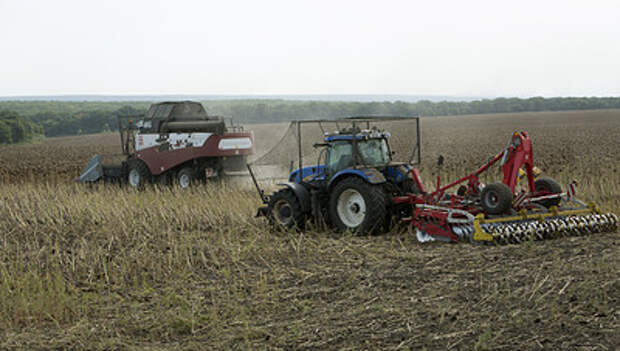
[{"x": 517, "y": 232}]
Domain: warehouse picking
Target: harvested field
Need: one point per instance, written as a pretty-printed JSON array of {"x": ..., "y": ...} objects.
[
  {"x": 55, "y": 160},
  {"x": 104, "y": 267}
]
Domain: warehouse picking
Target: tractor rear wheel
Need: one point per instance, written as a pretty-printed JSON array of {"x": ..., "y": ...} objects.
[
  {"x": 138, "y": 174},
  {"x": 496, "y": 198},
  {"x": 285, "y": 211},
  {"x": 358, "y": 206},
  {"x": 551, "y": 186},
  {"x": 185, "y": 177}
]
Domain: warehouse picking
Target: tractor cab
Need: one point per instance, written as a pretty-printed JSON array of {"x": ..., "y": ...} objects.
[
  {"x": 356, "y": 148},
  {"x": 352, "y": 150}
]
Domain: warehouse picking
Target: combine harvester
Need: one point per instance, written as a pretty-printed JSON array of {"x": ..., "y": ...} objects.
[
  {"x": 175, "y": 142},
  {"x": 356, "y": 186}
]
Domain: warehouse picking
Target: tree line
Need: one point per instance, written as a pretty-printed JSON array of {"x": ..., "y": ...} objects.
[
  {"x": 257, "y": 111},
  {"x": 83, "y": 122},
  {"x": 14, "y": 129},
  {"x": 57, "y": 118}
]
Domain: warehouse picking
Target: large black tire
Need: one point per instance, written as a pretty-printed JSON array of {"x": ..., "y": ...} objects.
[
  {"x": 138, "y": 174},
  {"x": 185, "y": 178},
  {"x": 358, "y": 206},
  {"x": 285, "y": 211},
  {"x": 551, "y": 186},
  {"x": 496, "y": 198}
]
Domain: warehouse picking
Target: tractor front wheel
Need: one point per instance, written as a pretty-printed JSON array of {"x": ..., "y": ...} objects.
[
  {"x": 358, "y": 206},
  {"x": 285, "y": 211}
]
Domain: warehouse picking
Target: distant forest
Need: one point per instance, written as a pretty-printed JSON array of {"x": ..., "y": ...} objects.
[
  {"x": 57, "y": 118},
  {"x": 14, "y": 129}
]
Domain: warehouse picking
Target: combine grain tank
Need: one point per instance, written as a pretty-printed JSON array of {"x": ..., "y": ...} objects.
[{"x": 174, "y": 142}]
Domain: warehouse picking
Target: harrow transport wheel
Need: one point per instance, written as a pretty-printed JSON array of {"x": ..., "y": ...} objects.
[
  {"x": 496, "y": 198},
  {"x": 185, "y": 177},
  {"x": 285, "y": 210},
  {"x": 138, "y": 174},
  {"x": 358, "y": 206},
  {"x": 551, "y": 186}
]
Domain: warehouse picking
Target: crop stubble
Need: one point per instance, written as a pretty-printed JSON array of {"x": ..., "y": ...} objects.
[{"x": 105, "y": 267}]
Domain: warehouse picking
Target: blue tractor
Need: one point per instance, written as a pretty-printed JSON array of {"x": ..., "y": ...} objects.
[{"x": 352, "y": 185}]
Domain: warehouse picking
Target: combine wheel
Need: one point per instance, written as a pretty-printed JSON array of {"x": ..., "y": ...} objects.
[
  {"x": 496, "y": 198},
  {"x": 138, "y": 174},
  {"x": 358, "y": 206},
  {"x": 551, "y": 186},
  {"x": 285, "y": 210},
  {"x": 185, "y": 177}
]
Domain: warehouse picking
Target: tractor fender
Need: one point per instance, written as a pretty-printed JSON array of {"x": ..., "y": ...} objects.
[
  {"x": 301, "y": 193},
  {"x": 370, "y": 175}
]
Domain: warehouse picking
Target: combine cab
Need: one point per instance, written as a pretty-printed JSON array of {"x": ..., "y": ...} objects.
[{"x": 175, "y": 142}]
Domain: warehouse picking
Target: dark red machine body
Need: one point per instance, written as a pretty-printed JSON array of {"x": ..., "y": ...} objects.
[{"x": 161, "y": 160}]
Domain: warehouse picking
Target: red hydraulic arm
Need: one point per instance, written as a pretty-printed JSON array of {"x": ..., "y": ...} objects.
[{"x": 517, "y": 154}]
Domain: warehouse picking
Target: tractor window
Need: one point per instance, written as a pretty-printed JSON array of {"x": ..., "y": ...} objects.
[
  {"x": 374, "y": 152},
  {"x": 339, "y": 156}
]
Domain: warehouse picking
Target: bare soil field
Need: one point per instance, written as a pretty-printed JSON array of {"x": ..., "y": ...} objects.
[{"x": 104, "y": 267}]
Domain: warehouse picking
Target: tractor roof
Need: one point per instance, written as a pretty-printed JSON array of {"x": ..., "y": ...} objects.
[{"x": 364, "y": 134}]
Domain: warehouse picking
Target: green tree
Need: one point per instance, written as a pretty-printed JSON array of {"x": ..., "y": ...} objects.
[
  {"x": 5, "y": 133},
  {"x": 14, "y": 128}
]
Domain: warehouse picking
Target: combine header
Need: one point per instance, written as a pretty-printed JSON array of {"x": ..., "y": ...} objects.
[{"x": 500, "y": 212}]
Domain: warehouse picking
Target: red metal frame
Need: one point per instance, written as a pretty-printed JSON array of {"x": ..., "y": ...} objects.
[{"x": 435, "y": 221}]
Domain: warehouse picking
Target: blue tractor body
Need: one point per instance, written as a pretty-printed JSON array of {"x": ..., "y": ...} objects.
[
  {"x": 396, "y": 172},
  {"x": 350, "y": 187}
]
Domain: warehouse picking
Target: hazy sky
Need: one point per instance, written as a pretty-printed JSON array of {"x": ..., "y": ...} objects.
[{"x": 465, "y": 48}]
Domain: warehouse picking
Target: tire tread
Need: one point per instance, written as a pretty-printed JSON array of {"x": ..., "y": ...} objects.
[{"x": 376, "y": 205}]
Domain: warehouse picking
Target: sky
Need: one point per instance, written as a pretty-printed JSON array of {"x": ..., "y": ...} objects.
[{"x": 457, "y": 48}]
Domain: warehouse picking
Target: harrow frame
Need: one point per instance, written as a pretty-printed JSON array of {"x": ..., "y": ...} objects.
[{"x": 454, "y": 217}]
